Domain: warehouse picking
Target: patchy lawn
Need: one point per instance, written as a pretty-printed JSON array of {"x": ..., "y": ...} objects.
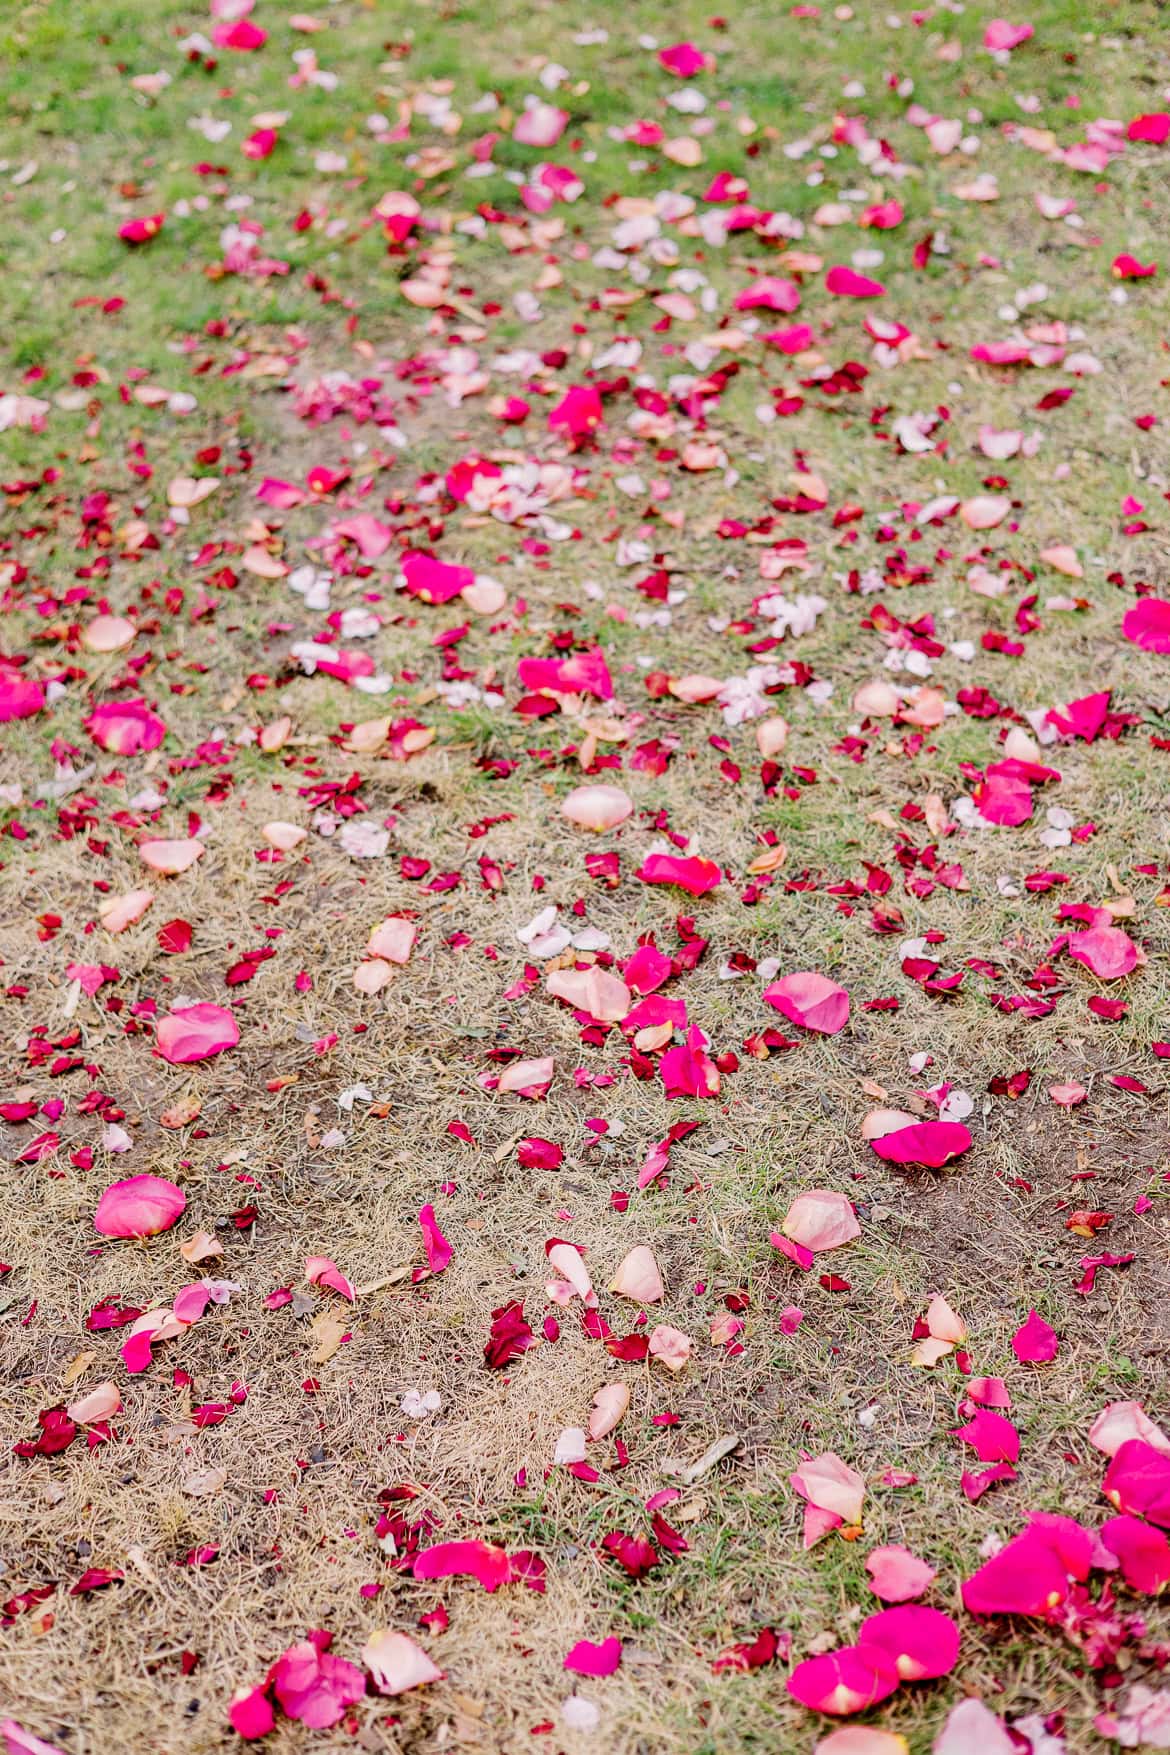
[{"x": 412, "y": 415}]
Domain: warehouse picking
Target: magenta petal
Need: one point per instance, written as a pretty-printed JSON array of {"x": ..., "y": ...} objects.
[
  {"x": 842, "y": 1682},
  {"x": 479, "y": 1560},
  {"x": 921, "y": 1643},
  {"x": 694, "y": 875},
  {"x": 1138, "y": 1481},
  {"x": 1142, "y": 1550},
  {"x": 20, "y": 696},
  {"x": 1147, "y": 624},
  {"x": 196, "y": 1032},
  {"x": 587, "y": 1659},
  {"x": 991, "y": 1436},
  {"x": 139, "y": 1207},
  {"x": 439, "y": 1251},
  {"x": 251, "y": 1714},
  {"x": 1035, "y": 1342},
  {"x": 931, "y": 1143},
  {"x": 313, "y": 1686}
]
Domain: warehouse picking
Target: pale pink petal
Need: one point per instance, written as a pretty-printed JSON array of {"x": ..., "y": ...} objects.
[
  {"x": 116, "y": 913},
  {"x": 862, "y": 1740},
  {"x": 820, "y": 1219},
  {"x": 669, "y": 1346},
  {"x": 170, "y": 857},
  {"x": 598, "y": 807},
  {"x": 896, "y": 1575},
  {"x": 566, "y": 1258},
  {"x": 392, "y": 940},
  {"x": 943, "y": 1322},
  {"x": 638, "y": 1277},
  {"x": 320, "y": 1270},
  {"x": 396, "y": 1663},
  {"x": 284, "y": 836},
  {"x": 831, "y": 1485},
  {"x": 528, "y": 1078},
  {"x": 108, "y": 633},
  {"x": 973, "y": 1729},
  {"x": 609, "y": 1408},
  {"x": 1120, "y": 1421},
  {"x": 100, "y": 1403}
]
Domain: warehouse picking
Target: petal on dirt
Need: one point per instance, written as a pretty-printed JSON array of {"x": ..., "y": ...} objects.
[
  {"x": 928, "y": 1143},
  {"x": 1035, "y": 1342},
  {"x": 116, "y": 913},
  {"x": 196, "y": 1032},
  {"x": 142, "y": 1206},
  {"x": 831, "y": 1485},
  {"x": 669, "y": 1346},
  {"x": 313, "y": 1686},
  {"x": 320, "y": 1270},
  {"x": 438, "y": 1248},
  {"x": 100, "y": 1403},
  {"x": 251, "y": 1714},
  {"x": 171, "y": 858}
]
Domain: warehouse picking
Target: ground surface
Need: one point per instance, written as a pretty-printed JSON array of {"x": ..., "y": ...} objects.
[{"x": 277, "y": 325}]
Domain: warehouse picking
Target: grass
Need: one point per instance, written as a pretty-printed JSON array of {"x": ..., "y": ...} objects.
[{"x": 295, "y": 1521}]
